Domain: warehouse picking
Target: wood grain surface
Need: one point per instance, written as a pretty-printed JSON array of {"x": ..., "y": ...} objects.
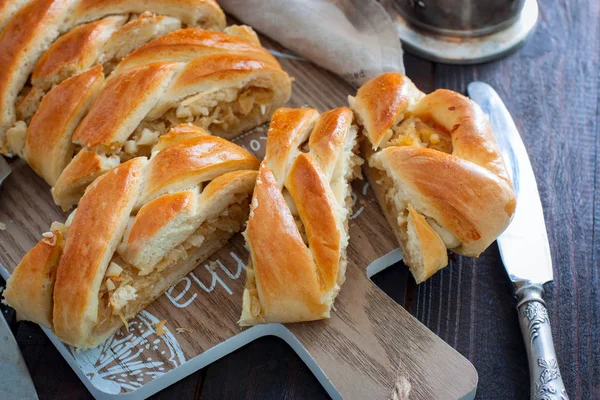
[{"x": 552, "y": 88}]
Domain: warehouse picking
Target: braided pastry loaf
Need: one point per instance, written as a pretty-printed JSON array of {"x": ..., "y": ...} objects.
[
  {"x": 225, "y": 82},
  {"x": 297, "y": 232},
  {"x": 138, "y": 229},
  {"x": 435, "y": 167},
  {"x": 89, "y": 32}
]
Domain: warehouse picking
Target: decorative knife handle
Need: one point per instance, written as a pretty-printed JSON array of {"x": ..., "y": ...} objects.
[{"x": 546, "y": 381}]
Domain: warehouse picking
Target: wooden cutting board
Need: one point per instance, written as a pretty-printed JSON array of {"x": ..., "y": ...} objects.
[{"x": 370, "y": 348}]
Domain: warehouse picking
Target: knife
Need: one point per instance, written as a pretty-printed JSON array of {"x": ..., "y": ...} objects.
[
  {"x": 4, "y": 169},
  {"x": 15, "y": 381},
  {"x": 524, "y": 248}
]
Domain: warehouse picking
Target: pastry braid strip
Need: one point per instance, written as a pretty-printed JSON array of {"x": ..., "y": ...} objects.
[
  {"x": 22, "y": 41},
  {"x": 92, "y": 240},
  {"x": 48, "y": 147}
]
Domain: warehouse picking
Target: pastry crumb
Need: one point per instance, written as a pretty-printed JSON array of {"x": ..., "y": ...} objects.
[
  {"x": 2, "y": 226},
  {"x": 159, "y": 328},
  {"x": 183, "y": 330},
  {"x": 212, "y": 265},
  {"x": 49, "y": 238}
]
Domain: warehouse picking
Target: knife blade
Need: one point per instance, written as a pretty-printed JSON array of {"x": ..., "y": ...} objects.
[
  {"x": 4, "y": 169},
  {"x": 15, "y": 381},
  {"x": 524, "y": 248},
  {"x": 524, "y": 244}
]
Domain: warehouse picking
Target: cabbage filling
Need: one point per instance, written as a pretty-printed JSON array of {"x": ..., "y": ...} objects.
[
  {"x": 225, "y": 112},
  {"x": 418, "y": 133},
  {"x": 124, "y": 292},
  {"x": 220, "y": 112}
]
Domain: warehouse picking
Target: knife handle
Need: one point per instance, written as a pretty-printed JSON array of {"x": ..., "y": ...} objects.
[{"x": 546, "y": 381}]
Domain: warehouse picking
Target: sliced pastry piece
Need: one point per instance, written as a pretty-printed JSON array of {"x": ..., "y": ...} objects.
[
  {"x": 435, "y": 167},
  {"x": 297, "y": 232},
  {"x": 138, "y": 229},
  {"x": 44, "y": 42}
]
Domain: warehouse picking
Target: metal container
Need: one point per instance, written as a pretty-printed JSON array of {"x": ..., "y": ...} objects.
[
  {"x": 462, "y": 31},
  {"x": 460, "y": 18}
]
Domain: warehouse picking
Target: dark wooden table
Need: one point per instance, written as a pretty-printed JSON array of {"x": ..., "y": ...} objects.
[{"x": 552, "y": 88}]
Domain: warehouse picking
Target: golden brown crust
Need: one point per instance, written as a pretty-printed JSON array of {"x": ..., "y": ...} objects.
[
  {"x": 26, "y": 35},
  {"x": 289, "y": 128},
  {"x": 193, "y": 161},
  {"x": 93, "y": 238},
  {"x": 229, "y": 92},
  {"x": 29, "y": 289},
  {"x": 328, "y": 137},
  {"x": 240, "y": 179},
  {"x": 86, "y": 166},
  {"x": 153, "y": 217},
  {"x": 105, "y": 41},
  {"x": 91, "y": 35},
  {"x": 122, "y": 104},
  {"x": 177, "y": 134},
  {"x": 48, "y": 147},
  {"x": 133, "y": 98},
  {"x": 204, "y": 13},
  {"x": 73, "y": 52},
  {"x": 156, "y": 213},
  {"x": 226, "y": 70},
  {"x": 134, "y": 34},
  {"x": 316, "y": 206},
  {"x": 380, "y": 102},
  {"x": 472, "y": 135},
  {"x": 220, "y": 66},
  {"x": 288, "y": 286},
  {"x": 467, "y": 200},
  {"x": 8, "y": 8},
  {"x": 297, "y": 227},
  {"x": 424, "y": 243},
  {"x": 187, "y": 44},
  {"x": 454, "y": 193}
]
